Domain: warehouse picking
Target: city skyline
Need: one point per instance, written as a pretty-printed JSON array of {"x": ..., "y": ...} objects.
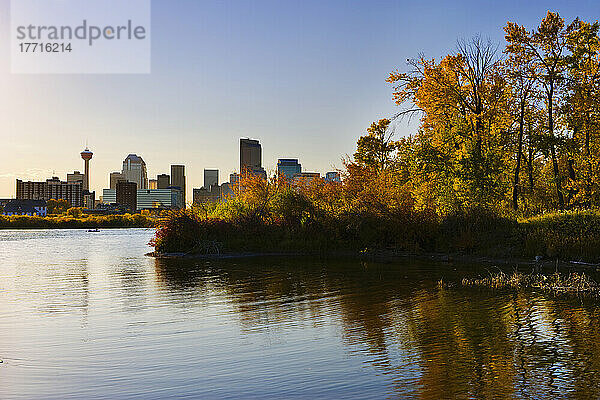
[
  {"x": 134, "y": 169},
  {"x": 303, "y": 97}
]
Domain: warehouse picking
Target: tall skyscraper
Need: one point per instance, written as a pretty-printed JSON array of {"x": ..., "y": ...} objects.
[
  {"x": 251, "y": 157},
  {"x": 164, "y": 181},
  {"x": 87, "y": 156},
  {"x": 116, "y": 177},
  {"x": 178, "y": 179},
  {"x": 288, "y": 167},
  {"x": 134, "y": 170},
  {"x": 211, "y": 178}
]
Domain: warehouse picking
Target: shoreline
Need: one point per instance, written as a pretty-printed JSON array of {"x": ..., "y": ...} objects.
[
  {"x": 71, "y": 228},
  {"x": 390, "y": 257}
]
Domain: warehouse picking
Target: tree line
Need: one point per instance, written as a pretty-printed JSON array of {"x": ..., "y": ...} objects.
[{"x": 507, "y": 128}]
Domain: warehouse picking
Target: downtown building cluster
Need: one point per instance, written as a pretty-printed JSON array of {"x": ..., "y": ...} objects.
[
  {"x": 130, "y": 189},
  {"x": 289, "y": 169}
]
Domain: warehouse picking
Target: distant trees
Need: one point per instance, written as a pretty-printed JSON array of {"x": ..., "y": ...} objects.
[
  {"x": 57, "y": 206},
  {"x": 75, "y": 212}
]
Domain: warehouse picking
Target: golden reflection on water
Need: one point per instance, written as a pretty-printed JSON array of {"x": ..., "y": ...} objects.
[{"x": 450, "y": 343}]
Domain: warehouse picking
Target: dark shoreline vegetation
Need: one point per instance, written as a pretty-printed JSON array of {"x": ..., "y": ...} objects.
[
  {"x": 564, "y": 236},
  {"x": 555, "y": 283},
  {"x": 505, "y": 164},
  {"x": 76, "y": 222}
]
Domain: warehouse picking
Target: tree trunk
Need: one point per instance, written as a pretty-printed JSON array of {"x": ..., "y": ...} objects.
[
  {"x": 519, "y": 152},
  {"x": 530, "y": 158},
  {"x": 561, "y": 200}
]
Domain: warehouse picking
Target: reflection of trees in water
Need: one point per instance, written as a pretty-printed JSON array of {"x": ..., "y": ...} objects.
[
  {"x": 262, "y": 297},
  {"x": 431, "y": 342}
]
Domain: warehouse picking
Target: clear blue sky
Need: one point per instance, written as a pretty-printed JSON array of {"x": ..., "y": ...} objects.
[{"x": 305, "y": 77}]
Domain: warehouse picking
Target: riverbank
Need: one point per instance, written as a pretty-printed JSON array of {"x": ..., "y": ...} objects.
[
  {"x": 564, "y": 236},
  {"x": 68, "y": 222}
]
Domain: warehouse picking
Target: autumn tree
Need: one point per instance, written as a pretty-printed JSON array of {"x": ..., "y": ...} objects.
[
  {"x": 462, "y": 100},
  {"x": 75, "y": 212},
  {"x": 57, "y": 206},
  {"x": 519, "y": 70},
  {"x": 374, "y": 150},
  {"x": 547, "y": 47},
  {"x": 582, "y": 109}
]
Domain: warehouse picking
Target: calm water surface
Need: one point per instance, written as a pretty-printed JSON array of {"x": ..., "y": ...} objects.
[{"x": 88, "y": 316}]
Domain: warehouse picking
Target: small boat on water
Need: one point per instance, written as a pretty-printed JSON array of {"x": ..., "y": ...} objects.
[{"x": 93, "y": 230}]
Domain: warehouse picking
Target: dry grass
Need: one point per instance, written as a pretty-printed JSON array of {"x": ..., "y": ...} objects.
[{"x": 556, "y": 282}]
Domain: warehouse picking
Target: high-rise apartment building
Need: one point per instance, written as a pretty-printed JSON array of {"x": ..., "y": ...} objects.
[
  {"x": 75, "y": 177},
  {"x": 134, "y": 170},
  {"x": 164, "y": 181},
  {"x": 211, "y": 178},
  {"x": 126, "y": 195},
  {"x": 116, "y": 177},
  {"x": 178, "y": 179},
  {"x": 51, "y": 189},
  {"x": 288, "y": 167}
]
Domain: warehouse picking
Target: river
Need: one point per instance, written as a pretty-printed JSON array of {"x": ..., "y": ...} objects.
[{"x": 89, "y": 316}]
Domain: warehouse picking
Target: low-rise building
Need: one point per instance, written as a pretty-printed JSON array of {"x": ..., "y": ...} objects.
[
  {"x": 148, "y": 199},
  {"x": 26, "y": 207},
  {"x": 333, "y": 176},
  {"x": 212, "y": 195},
  {"x": 109, "y": 196},
  {"x": 304, "y": 178}
]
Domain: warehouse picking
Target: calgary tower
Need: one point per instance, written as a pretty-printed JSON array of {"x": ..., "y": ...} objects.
[{"x": 87, "y": 156}]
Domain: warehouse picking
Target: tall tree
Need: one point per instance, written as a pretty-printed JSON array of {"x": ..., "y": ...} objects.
[
  {"x": 546, "y": 45},
  {"x": 582, "y": 107},
  {"x": 462, "y": 101},
  {"x": 520, "y": 72}
]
